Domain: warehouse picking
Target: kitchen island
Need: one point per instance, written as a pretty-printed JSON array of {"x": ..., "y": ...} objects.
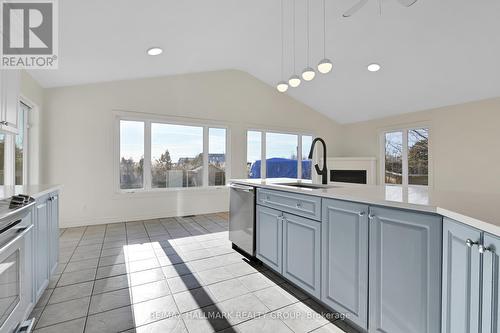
[{"x": 391, "y": 258}]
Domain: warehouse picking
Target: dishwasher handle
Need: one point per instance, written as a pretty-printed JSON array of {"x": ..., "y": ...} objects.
[{"x": 243, "y": 188}]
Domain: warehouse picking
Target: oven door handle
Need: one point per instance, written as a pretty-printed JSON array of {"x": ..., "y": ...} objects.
[{"x": 20, "y": 232}]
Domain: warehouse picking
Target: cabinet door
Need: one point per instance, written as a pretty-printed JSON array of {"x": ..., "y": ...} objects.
[
  {"x": 53, "y": 232},
  {"x": 301, "y": 252},
  {"x": 405, "y": 271},
  {"x": 344, "y": 233},
  {"x": 41, "y": 246},
  {"x": 491, "y": 293},
  {"x": 461, "y": 274},
  {"x": 269, "y": 237},
  {"x": 10, "y": 87}
]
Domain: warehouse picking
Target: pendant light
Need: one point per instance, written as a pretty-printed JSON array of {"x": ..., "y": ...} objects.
[
  {"x": 308, "y": 74},
  {"x": 325, "y": 65},
  {"x": 294, "y": 80},
  {"x": 282, "y": 86}
]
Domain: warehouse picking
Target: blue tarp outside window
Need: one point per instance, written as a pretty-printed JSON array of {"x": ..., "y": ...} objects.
[{"x": 281, "y": 168}]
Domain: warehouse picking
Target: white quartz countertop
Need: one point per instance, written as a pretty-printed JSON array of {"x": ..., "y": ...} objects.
[
  {"x": 34, "y": 191},
  {"x": 479, "y": 210}
]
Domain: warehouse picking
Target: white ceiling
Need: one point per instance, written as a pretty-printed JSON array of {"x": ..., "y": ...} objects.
[{"x": 435, "y": 53}]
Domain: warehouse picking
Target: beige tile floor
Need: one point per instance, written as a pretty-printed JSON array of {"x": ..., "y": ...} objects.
[{"x": 169, "y": 275}]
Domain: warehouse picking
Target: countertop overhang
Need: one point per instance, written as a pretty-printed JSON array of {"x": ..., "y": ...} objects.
[
  {"x": 479, "y": 210},
  {"x": 34, "y": 191}
]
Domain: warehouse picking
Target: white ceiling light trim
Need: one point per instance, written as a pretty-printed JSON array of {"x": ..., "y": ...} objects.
[
  {"x": 374, "y": 67},
  {"x": 154, "y": 51}
]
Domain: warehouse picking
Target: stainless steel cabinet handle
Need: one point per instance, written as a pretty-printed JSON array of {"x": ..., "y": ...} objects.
[
  {"x": 361, "y": 213},
  {"x": 482, "y": 249},
  {"x": 470, "y": 243},
  {"x": 371, "y": 216},
  {"x": 299, "y": 205}
]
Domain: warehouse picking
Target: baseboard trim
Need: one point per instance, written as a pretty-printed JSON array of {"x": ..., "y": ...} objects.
[{"x": 71, "y": 223}]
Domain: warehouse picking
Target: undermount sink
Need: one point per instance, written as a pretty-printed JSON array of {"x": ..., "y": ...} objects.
[{"x": 307, "y": 185}]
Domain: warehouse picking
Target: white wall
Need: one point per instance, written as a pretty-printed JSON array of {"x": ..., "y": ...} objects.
[
  {"x": 465, "y": 143},
  {"x": 78, "y": 138}
]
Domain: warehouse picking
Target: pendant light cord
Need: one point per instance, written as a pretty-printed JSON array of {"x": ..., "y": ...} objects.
[
  {"x": 282, "y": 42},
  {"x": 294, "y": 67},
  {"x": 307, "y": 19},
  {"x": 324, "y": 29}
]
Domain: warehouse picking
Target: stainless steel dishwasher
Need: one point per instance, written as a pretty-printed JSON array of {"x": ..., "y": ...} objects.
[{"x": 242, "y": 217}]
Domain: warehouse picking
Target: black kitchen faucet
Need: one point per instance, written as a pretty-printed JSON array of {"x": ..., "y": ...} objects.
[{"x": 323, "y": 172}]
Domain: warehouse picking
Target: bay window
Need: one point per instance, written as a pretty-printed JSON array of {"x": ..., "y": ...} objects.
[{"x": 163, "y": 155}]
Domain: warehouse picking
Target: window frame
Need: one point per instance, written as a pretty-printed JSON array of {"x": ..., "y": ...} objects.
[
  {"x": 405, "y": 177},
  {"x": 147, "y": 180},
  {"x": 25, "y": 142},
  {"x": 263, "y": 132}
]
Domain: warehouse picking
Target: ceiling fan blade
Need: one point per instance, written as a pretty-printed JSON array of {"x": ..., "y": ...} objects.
[
  {"x": 355, "y": 8},
  {"x": 407, "y": 3}
]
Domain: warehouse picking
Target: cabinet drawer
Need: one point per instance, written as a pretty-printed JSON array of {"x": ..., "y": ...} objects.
[{"x": 298, "y": 204}]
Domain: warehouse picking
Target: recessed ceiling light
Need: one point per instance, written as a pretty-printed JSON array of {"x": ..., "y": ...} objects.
[
  {"x": 374, "y": 67},
  {"x": 154, "y": 51}
]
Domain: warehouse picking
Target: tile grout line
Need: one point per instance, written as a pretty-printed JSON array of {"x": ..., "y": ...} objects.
[{"x": 93, "y": 282}]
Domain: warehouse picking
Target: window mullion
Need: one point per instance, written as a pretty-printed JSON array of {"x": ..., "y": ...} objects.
[
  {"x": 205, "y": 156},
  {"x": 405, "y": 157},
  {"x": 263, "y": 155},
  {"x": 299, "y": 158},
  {"x": 147, "y": 155},
  {"x": 9, "y": 160}
]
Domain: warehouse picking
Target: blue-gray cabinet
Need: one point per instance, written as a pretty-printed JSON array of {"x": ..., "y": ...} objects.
[
  {"x": 269, "y": 237},
  {"x": 53, "y": 214},
  {"x": 344, "y": 266},
  {"x": 302, "y": 252},
  {"x": 461, "y": 278},
  {"x": 490, "y": 283},
  {"x": 404, "y": 271},
  {"x": 45, "y": 241},
  {"x": 41, "y": 248},
  {"x": 298, "y": 204}
]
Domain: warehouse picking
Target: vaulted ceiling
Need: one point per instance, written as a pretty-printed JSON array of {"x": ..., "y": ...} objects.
[{"x": 433, "y": 54}]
